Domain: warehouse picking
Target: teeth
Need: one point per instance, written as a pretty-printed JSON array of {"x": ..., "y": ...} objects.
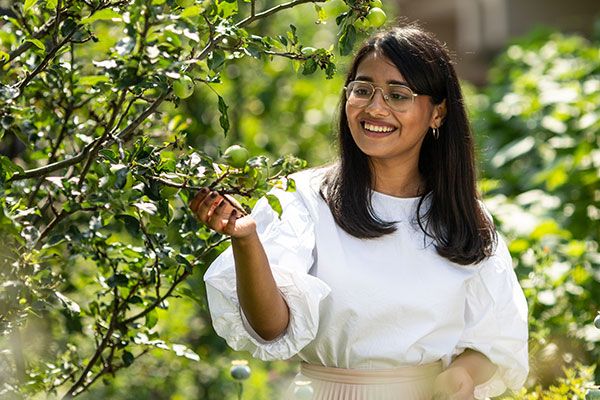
[{"x": 376, "y": 128}]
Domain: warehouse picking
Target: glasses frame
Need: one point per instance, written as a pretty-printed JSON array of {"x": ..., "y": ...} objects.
[{"x": 385, "y": 96}]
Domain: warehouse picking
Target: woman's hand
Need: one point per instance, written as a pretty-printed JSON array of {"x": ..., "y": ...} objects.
[
  {"x": 222, "y": 215},
  {"x": 455, "y": 383}
]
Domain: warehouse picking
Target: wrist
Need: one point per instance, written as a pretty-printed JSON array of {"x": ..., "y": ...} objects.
[{"x": 245, "y": 238}]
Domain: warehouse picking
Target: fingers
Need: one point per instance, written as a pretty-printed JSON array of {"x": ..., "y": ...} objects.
[
  {"x": 230, "y": 226},
  {"x": 198, "y": 198}
]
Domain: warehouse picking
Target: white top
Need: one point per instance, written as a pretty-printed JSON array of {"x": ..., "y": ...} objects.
[{"x": 374, "y": 303}]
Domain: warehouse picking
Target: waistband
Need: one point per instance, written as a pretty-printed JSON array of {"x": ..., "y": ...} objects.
[{"x": 372, "y": 376}]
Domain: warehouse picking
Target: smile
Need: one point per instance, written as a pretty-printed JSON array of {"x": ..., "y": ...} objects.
[{"x": 369, "y": 127}]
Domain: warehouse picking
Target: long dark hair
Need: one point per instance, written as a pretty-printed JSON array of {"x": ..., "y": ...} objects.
[{"x": 454, "y": 217}]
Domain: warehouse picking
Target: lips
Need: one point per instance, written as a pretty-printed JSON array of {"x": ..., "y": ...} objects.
[{"x": 377, "y": 128}]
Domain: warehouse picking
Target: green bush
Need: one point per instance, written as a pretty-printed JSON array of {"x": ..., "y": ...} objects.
[{"x": 540, "y": 121}]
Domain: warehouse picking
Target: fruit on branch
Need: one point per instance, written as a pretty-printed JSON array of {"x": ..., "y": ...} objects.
[
  {"x": 183, "y": 87},
  {"x": 236, "y": 156},
  {"x": 376, "y": 17}
]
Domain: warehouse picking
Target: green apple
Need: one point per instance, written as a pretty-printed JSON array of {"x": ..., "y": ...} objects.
[
  {"x": 183, "y": 87},
  {"x": 236, "y": 156},
  {"x": 376, "y": 3},
  {"x": 376, "y": 17},
  {"x": 184, "y": 3},
  {"x": 362, "y": 24}
]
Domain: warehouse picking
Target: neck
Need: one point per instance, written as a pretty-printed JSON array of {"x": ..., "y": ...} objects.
[{"x": 398, "y": 179}]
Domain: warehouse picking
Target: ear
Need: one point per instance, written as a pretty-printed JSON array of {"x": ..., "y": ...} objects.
[{"x": 438, "y": 115}]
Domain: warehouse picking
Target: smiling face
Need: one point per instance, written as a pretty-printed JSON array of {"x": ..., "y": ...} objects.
[{"x": 383, "y": 134}]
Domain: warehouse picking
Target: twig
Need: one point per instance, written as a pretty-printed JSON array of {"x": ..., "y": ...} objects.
[
  {"x": 273, "y": 10},
  {"x": 41, "y": 66}
]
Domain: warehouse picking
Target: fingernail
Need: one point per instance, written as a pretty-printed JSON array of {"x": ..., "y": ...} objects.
[
  {"x": 234, "y": 212},
  {"x": 203, "y": 190}
]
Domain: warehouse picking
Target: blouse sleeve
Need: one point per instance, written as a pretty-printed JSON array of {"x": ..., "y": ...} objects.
[
  {"x": 288, "y": 242},
  {"x": 496, "y": 323}
]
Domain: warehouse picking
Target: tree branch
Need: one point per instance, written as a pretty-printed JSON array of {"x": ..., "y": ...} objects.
[{"x": 273, "y": 10}]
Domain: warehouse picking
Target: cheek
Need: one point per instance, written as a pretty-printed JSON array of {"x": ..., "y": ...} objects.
[{"x": 351, "y": 115}]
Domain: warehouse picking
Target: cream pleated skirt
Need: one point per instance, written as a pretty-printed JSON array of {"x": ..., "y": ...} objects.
[{"x": 315, "y": 382}]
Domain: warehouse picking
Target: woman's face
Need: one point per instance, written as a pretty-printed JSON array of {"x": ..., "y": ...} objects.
[{"x": 382, "y": 133}]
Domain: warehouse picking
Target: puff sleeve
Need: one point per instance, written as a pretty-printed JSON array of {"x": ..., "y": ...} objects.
[
  {"x": 496, "y": 323},
  {"x": 289, "y": 242}
]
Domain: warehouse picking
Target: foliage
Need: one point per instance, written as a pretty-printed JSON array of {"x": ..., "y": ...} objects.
[
  {"x": 574, "y": 385},
  {"x": 97, "y": 172},
  {"x": 541, "y": 121}
]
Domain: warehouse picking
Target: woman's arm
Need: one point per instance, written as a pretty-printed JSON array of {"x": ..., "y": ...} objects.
[
  {"x": 260, "y": 299},
  {"x": 458, "y": 381}
]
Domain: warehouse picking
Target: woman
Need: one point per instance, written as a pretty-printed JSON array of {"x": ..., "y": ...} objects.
[{"x": 384, "y": 274}]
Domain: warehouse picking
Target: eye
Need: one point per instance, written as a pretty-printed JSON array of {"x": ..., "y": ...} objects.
[
  {"x": 362, "y": 91},
  {"x": 399, "y": 94}
]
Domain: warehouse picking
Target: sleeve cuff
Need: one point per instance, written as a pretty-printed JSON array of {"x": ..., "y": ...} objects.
[{"x": 303, "y": 294}]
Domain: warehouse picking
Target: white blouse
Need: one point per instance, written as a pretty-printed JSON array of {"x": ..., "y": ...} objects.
[{"x": 374, "y": 303}]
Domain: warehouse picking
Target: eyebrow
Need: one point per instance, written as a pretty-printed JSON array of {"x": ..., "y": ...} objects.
[{"x": 390, "y": 82}]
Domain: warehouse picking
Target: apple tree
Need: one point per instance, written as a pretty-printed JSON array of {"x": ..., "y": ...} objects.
[{"x": 96, "y": 171}]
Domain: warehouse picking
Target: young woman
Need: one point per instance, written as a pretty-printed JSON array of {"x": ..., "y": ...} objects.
[{"x": 384, "y": 274}]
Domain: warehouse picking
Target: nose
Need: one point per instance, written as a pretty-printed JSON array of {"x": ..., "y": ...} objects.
[{"x": 377, "y": 105}]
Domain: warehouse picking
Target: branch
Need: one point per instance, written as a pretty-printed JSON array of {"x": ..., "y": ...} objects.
[
  {"x": 105, "y": 340},
  {"x": 273, "y": 10},
  {"x": 291, "y": 56},
  {"x": 41, "y": 171},
  {"x": 44, "y": 63}
]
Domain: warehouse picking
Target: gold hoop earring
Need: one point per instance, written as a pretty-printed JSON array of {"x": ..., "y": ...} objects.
[{"x": 436, "y": 133}]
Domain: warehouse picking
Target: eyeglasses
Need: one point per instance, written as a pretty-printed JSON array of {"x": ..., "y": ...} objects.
[{"x": 397, "y": 97}]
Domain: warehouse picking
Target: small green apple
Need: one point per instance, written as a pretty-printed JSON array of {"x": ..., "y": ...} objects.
[
  {"x": 183, "y": 87},
  {"x": 236, "y": 156},
  {"x": 376, "y": 17},
  {"x": 376, "y": 3},
  {"x": 362, "y": 24}
]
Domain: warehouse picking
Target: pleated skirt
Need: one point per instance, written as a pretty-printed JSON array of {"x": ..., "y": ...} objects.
[{"x": 316, "y": 382}]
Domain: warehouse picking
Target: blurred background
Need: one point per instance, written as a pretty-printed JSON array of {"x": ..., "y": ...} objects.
[{"x": 531, "y": 76}]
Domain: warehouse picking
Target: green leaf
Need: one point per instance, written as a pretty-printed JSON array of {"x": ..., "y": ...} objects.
[
  {"x": 8, "y": 168},
  {"x": 127, "y": 358},
  {"x": 105, "y": 14},
  {"x": 310, "y": 66},
  {"x": 227, "y": 9},
  {"x": 216, "y": 59},
  {"x": 192, "y": 11},
  {"x": 92, "y": 80},
  {"x": 51, "y": 4},
  {"x": 4, "y": 56},
  {"x": 37, "y": 43},
  {"x": 347, "y": 40},
  {"x": 28, "y": 4},
  {"x": 151, "y": 319},
  {"x": 223, "y": 119},
  {"x": 275, "y": 204}
]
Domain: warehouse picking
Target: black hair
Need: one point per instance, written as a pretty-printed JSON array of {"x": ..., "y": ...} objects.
[{"x": 454, "y": 217}]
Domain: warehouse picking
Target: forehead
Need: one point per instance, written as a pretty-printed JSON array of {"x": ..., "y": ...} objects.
[{"x": 377, "y": 68}]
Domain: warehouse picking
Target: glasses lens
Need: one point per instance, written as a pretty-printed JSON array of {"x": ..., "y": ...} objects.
[
  {"x": 359, "y": 93},
  {"x": 399, "y": 97}
]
